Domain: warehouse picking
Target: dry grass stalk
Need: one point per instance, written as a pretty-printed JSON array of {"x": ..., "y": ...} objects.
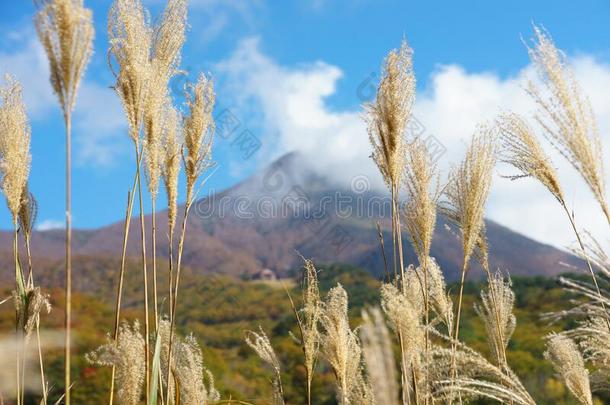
[
  {"x": 563, "y": 353},
  {"x": 387, "y": 118},
  {"x": 341, "y": 347},
  {"x": 168, "y": 38},
  {"x": 379, "y": 357},
  {"x": 308, "y": 318},
  {"x": 259, "y": 342},
  {"x": 131, "y": 40},
  {"x": 65, "y": 29},
  {"x": 14, "y": 171},
  {"x": 466, "y": 195},
  {"x": 523, "y": 151},
  {"x": 126, "y": 355},
  {"x": 566, "y": 115},
  {"x": 419, "y": 213},
  {"x": 27, "y": 218},
  {"x": 496, "y": 312},
  {"x": 170, "y": 170},
  {"x": 198, "y": 129}
]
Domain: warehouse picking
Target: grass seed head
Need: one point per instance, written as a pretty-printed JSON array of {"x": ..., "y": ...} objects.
[
  {"x": 567, "y": 361},
  {"x": 198, "y": 132},
  {"x": 171, "y": 163},
  {"x": 388, "y": 115},
  {"x": 15, "y": 155},
  {"x": 566, "y": 115},
  {"x": 65, "y": 29},
  {"x": 468, "y": 190},
  {"x": 522, "y": 150},
  {"x": 127, "y": 356},
  {"x": 130, "y": 36}
]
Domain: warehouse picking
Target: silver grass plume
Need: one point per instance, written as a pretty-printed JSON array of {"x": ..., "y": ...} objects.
[
  {"x": 496, "y": 312},
  {"x": 192, "y": 374},
  {"x": 195, "y": 381},
  {"x": 127, "y": 356},
  {"x": 567, "y": 361},
  {"x": 388, "y": 115},
  {"x": 594, "y": 339},
  {"x": 198, "y": 132},
  {"x": 28, "y": 212},
  {"x": 29, "y": 307},
  {"x": 259, "y": 342},
  {"x": 566, "y": 115},
  {"x": 419, "y": 212},
  {"x": 477, "y": 377},
  {"x": 404, "y": 310},
  {"x": 522, "y": 150},
  {"x": 170, "y": 168},
  {"x": 308, "y": 319},
  {"x": 168, "y": 38},
  {"x": 130, "y": 37},
  {"x": 469, "y": 188},
  {"x": 340, "y": 345},
  {"x": 65, "y": 29},
  {"x": 163, "y": 336},
  {"x": 379, "y": 357},
  {"x": 15, "y": 155},
  {"x": 440, "y": 300}
]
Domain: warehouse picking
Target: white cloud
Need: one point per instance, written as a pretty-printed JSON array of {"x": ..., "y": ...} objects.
[
  {"x": 50, "y": 224},
  {"x": 291, "y": 102},
  {"x": 294, "y": 113},
  {"x": 28, "y": 63},
  {"x": 100, "y": 126},
  {"x": 98, "y": 118}
]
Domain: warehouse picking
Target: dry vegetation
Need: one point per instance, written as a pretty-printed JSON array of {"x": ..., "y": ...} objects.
[{"x": 408, "y": 350}]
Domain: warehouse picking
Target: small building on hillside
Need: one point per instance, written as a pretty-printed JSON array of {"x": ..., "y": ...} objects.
[{"x": 266, "y": 275}]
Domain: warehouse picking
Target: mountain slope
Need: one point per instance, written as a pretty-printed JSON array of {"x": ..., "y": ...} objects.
[{"x": 287, "y": 208}]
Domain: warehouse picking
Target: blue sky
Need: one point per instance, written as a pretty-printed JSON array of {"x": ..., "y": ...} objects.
[{"x": 278, "y": 62}]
